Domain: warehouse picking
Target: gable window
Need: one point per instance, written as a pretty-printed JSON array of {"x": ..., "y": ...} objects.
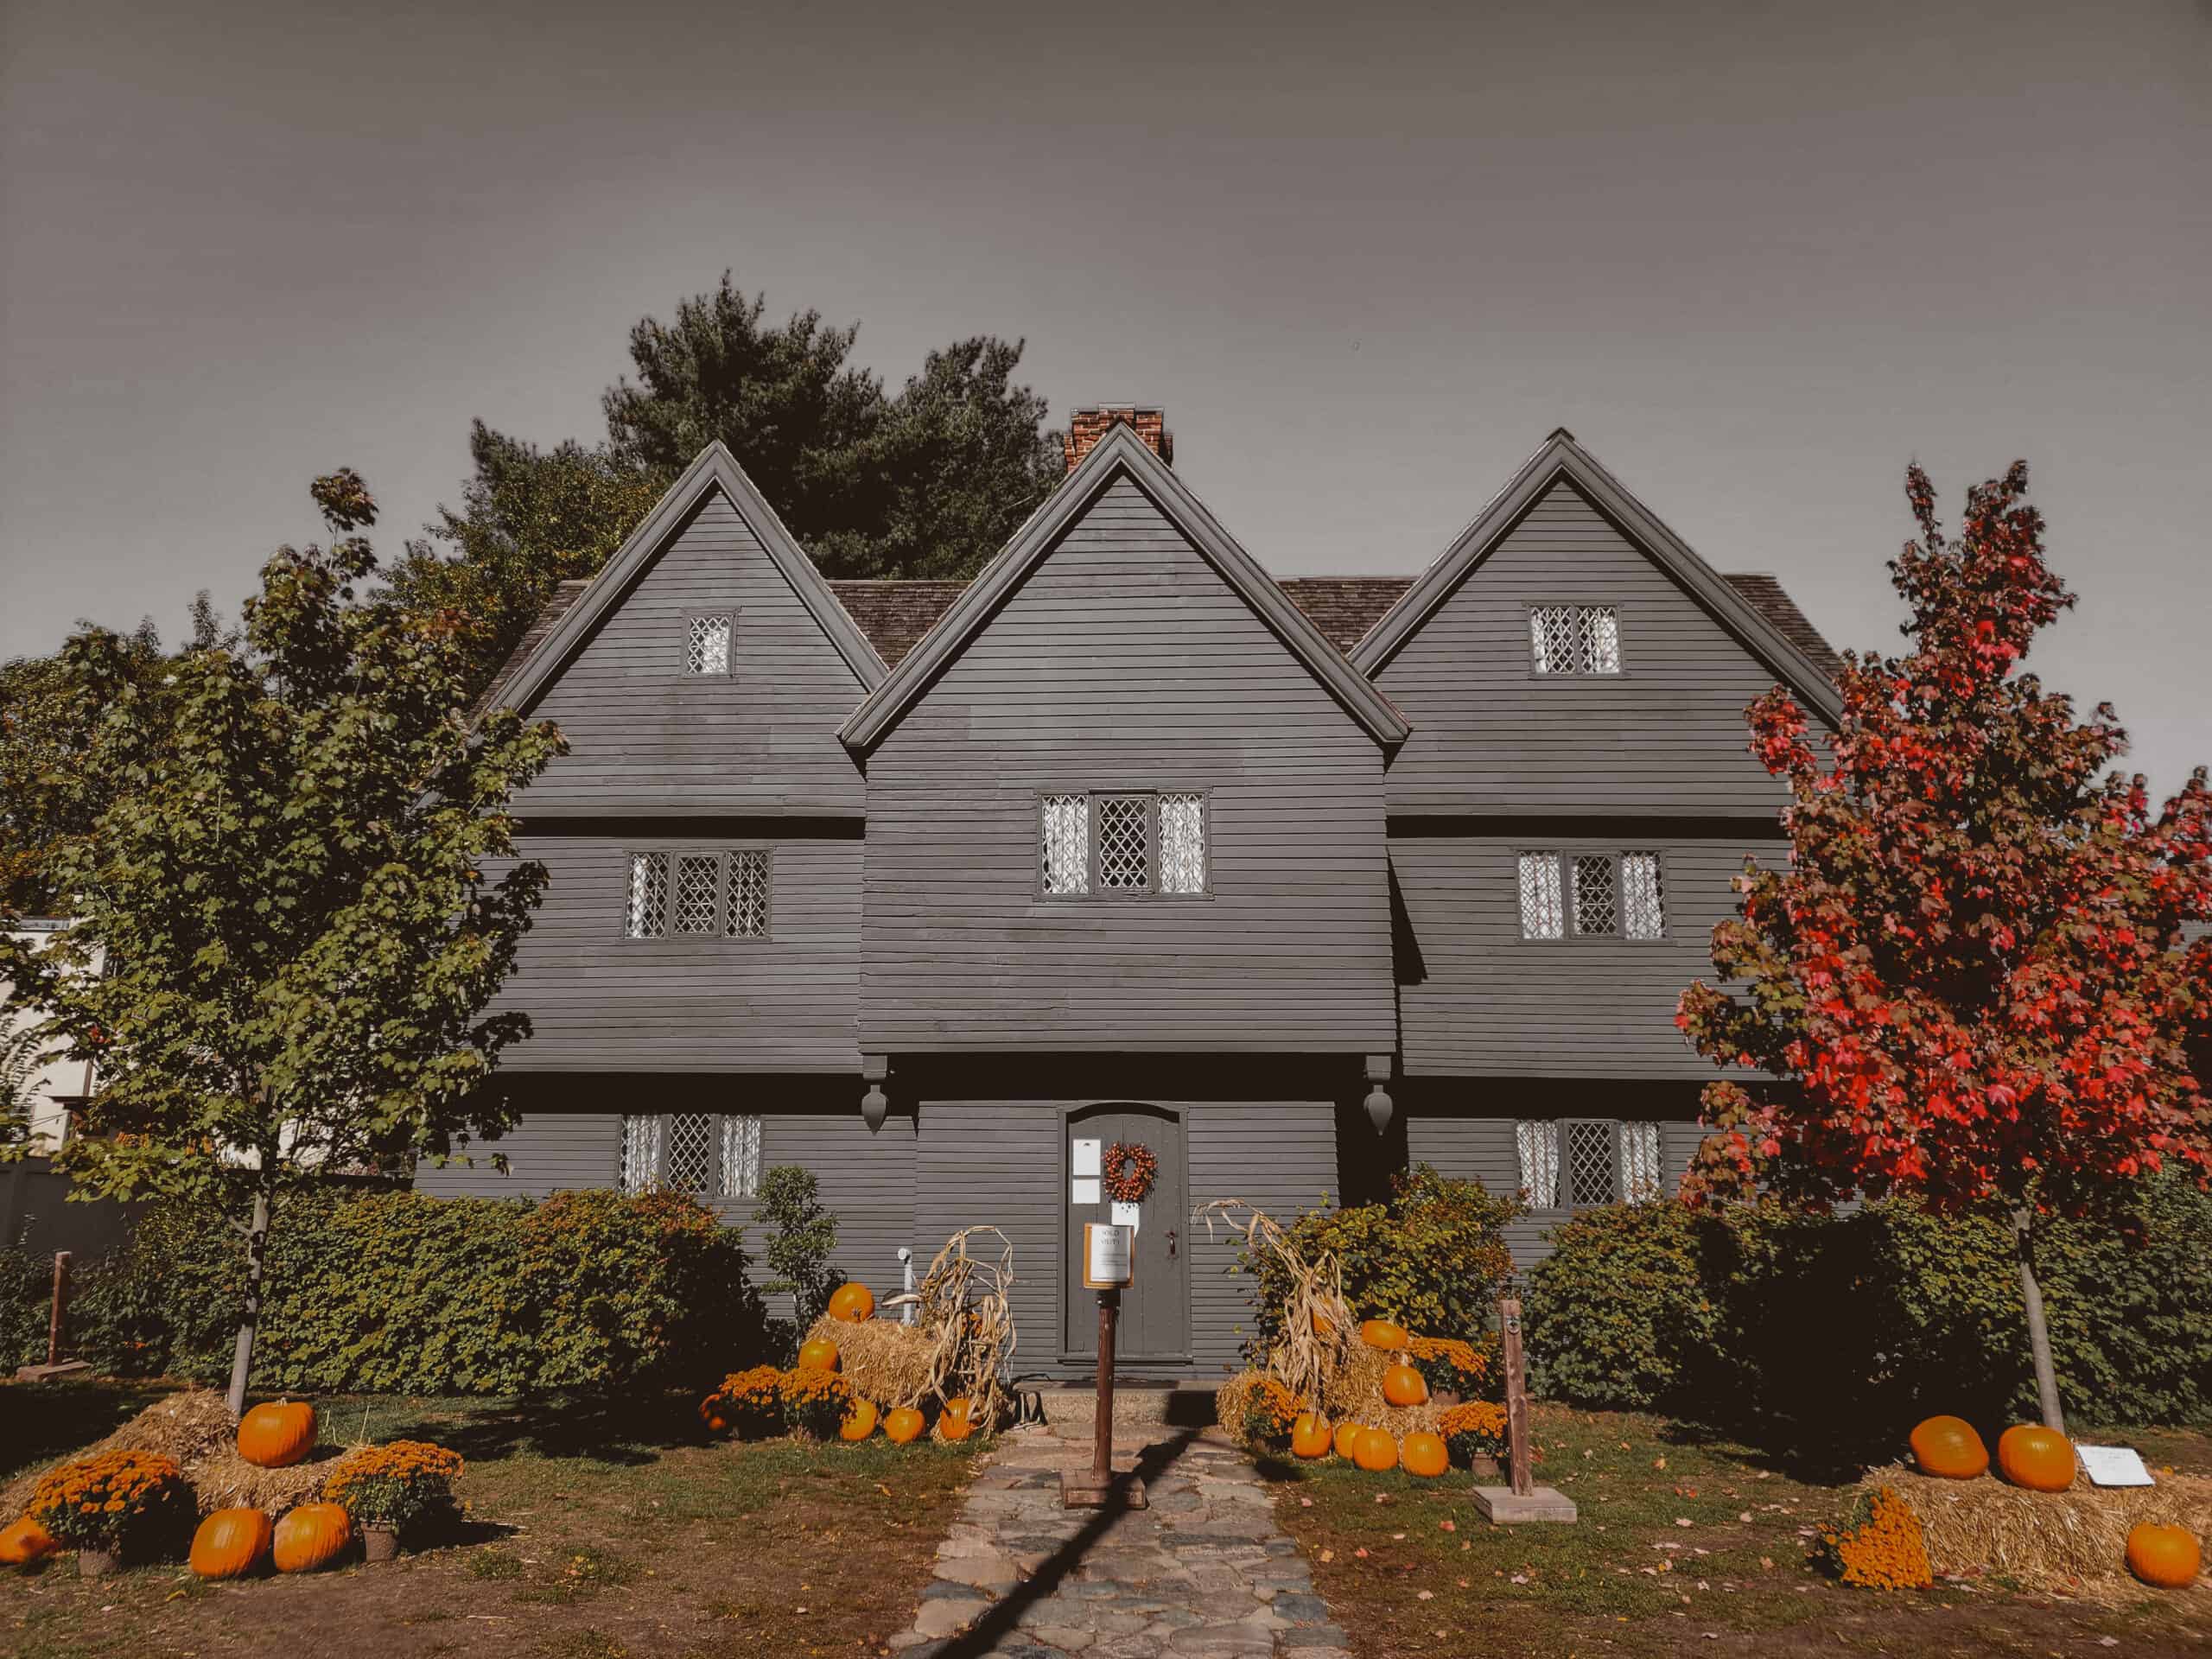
[
  {"x": 716, "y": 1152},
  {"x": 715, "y": 894},
  {"x": 1575, "y": 1162},
  {"x": 706, "y": 644},
  {"x": 1595, "y": 895},
  {"x": 1123, "y": 845},
  {"x": 1575, "y": 639}
]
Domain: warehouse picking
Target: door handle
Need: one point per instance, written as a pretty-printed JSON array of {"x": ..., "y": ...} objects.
[{"x": 1171, "y": 1243}]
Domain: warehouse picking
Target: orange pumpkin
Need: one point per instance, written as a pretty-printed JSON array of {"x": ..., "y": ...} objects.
[
  {"x": 24, "y": 1542},
  {"x": 1324, "y": 1326},
  {"x": 852, "y": 1304},
  {"x": 860, "y": 1420},
  {"x": 1375, "y": 1450},
  {"x": 2169, "y": 1557},
  {"x": 1424, "y": 1455},
  {"x": 954, "y": 1423},
  {"x": 819, "y": 1354},
  {"x": 1404, "y": 1386},
  {"x": 231, "y": 1542},
  {"x": 277, "y": 1435},
  {"x": 2039, "y": 1458},
  {"x": 1309, "y": 1436},
  {"x": 1347, "y": 1437},
  {"x": 310, "y": 1536},
  {"x": 1385, "y": 1334},
  {"x": 1948, "y": 1448},
  {"x": 903, "y": 1426}
]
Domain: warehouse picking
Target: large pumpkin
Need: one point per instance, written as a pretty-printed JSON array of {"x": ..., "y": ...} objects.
[
  {"x": 954, "y": 1423},
  {"x": 818, "y": 1355},
  {"x": 2169, "y": 1557},
  {"x": 1948, "y": 1448},
  {"x": 231, "y": 1542},
  {"x": 1324, "y": 1326},
  {"x": 1375, "y": 1450},
  {"x": 903, "y": 1426},
  {"x": 1309, "y": 1436},
  {"x": 2039, "y": 1458},
  {"x": 310, "y": 1536},
  {"x": 860, "y": 1420},
  {"x": 1347, "y": 1437},
  {"x": 1385, "y": 1334},
  {"x": 1424, "y": 1455},
  {"x": 852, "y": 1303},
  {"x": 277, "y": 1435},
  {"x": 24, "y": 1542},
  {"x": 1404, "y": 1386}
]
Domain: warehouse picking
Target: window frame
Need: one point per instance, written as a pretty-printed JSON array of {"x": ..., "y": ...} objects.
[
  {"x": 1567, "y": 852},
  {"x": 711, "y": 1190},
  {"x": 1616, "y": 1133},
  {"x": 1152, "y": 891},
  {"x": 724, "y": 855},
  {"x": 1528, "y": 609},
  {"x": 684, "y": 671}
]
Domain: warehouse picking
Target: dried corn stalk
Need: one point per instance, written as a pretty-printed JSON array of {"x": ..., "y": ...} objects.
[
  {"x": 962, "y": 1307},
  {"x": 1316, "y": 1323}
]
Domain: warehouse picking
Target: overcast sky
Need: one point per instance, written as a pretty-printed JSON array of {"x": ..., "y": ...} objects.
[{"x": 1756, "y": 257}]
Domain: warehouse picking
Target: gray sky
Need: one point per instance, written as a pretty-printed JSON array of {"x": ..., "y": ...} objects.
[{"x": 1756, "y": 258}]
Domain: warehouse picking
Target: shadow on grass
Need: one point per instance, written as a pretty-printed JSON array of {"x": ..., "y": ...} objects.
[
  {"x": 45, "y": 1419},
  {"x": 626, "y": 1432}
]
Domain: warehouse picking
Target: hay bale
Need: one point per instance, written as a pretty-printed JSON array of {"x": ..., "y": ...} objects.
[
  {"x": 221, "y": 1479},
  {"x": 185, "y": 1425},
  {"x": 889, "y": 1364},
  {"x": 1353, "y": 1393},
  {"x": 2074, "y": 1541}
]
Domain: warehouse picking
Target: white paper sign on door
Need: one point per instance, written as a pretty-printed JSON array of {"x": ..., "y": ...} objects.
[
  {"x": 1083, "y": 1191},
  {"x": 1082, "y": 1157},
  {"x": 1126, "y": 1215}
]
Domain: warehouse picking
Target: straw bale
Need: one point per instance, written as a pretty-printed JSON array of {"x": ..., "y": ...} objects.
[
  {"x": 1354, "y": 1393},
  {"x": 221, "y": 1479},
  {"x": 2074, "y": 1541},
  {"x": 889, "y": 1364}
]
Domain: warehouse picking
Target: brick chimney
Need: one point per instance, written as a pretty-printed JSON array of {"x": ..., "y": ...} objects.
[{"x": 1087, "y": 426}]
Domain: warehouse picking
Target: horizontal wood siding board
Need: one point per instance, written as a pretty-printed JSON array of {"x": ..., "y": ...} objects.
[
  {"x": 866, "y": 1180},
  {"x": 546, "y": 1153},
  {"x": 997, "y": 1164},
  {"x": 1280, "y": 1157},
  {"x": 1479, "y": 998},
  {"x": 1125, "y": 661}
]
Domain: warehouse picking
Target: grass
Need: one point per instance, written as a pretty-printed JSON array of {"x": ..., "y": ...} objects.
[
  {"x": 1685, "y": 1544},
  {"x": 594, "y": 1531}
]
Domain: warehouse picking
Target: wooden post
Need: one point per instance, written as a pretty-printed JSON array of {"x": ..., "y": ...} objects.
[
  {"x": 1516, "y": 1396},
  {"x": 60, "y": 1297},
  {"x": 1097, "y": 1488},
  {"x": 1102, "y": 1450}
]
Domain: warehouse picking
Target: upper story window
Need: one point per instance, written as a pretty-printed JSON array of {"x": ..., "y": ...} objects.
[
  {"x": 706, "y": 645},
  {"x": 1122, "y": 844},
  {"x": 710, "y": 894},
  {"x": 1572, "y": 1162},
  {"x": 1595, "y": 895},
  {"x": 1575, "y": 639}
]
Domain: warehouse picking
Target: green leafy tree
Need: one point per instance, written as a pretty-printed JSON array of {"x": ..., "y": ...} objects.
[
  {"x": 1973, "y": 981},
  {"x": 802, "y": 1237},
  {"x": 290, "y": 881}
]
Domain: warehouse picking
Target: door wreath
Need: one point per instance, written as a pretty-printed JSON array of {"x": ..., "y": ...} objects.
[{"x": 1128, "y": 1171}]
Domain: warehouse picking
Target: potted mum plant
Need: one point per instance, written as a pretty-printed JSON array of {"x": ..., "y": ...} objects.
[
  {"x": 112, "y": 1503},
  {"x": 394, "y": 1488}
]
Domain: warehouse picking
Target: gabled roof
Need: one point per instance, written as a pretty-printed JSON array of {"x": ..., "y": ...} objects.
[
  {"x": 1562, "y": 457},
  {"x": 896, "y": 612},
  {"x": 1120, "y": 453},
  {"x": 570, "y": 616}
]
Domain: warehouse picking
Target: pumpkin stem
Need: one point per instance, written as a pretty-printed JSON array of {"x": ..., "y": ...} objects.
[{"x": 2038, "y": 1328}]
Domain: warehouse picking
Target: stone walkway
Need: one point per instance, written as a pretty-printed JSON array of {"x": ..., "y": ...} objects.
[{"x": 1203, "y": 1574}]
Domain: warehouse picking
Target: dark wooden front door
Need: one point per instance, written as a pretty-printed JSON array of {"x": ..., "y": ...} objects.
[{"x": 1155, "y": 1311}]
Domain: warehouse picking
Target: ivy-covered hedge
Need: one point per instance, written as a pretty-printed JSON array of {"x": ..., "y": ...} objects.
[
  {"x": 1862, "y": 1323},
  {"x": 401, "y": 1294}
]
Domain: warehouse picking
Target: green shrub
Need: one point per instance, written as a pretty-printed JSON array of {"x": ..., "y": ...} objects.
[
  {"x": 1432, "y": 1257},
  {"x": 802, "y": 1237}
]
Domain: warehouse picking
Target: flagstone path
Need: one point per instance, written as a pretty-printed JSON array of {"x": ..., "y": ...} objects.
[{"x": 1202, "y": 1573}]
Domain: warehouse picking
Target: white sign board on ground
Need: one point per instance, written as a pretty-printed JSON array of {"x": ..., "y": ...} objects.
[{"x": 2113, "y": 1465}]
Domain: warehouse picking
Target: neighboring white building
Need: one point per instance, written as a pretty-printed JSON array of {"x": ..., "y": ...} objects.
[{"x": 56, "y": 1085}]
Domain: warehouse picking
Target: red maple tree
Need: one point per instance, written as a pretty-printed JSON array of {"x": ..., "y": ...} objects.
[{"x": 1973, "y": 981}]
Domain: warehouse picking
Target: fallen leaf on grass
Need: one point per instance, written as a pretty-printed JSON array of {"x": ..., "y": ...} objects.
[
  {"x": 1426, "y": 1595},
  {"x": 1328, "y": 1555},
  {"x": 1361, "y": 1553},
  {"x": 1447, "y": 1526}
]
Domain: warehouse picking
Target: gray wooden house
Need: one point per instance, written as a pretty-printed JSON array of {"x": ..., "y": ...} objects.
[{"x": 920, "y": 885}]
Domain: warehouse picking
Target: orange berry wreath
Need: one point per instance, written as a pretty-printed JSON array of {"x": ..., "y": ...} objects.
[{"x": 1128, "y": 1171}]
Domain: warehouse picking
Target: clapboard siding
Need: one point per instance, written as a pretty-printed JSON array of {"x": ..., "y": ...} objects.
[
  {"x": 1490, "y": 736},
  {"x": 1124, "y": 661},
  {"x": 1476, "y": 998},
  {"x": 1278, "y": 1156},
  {"x": 646, "y": 738},
  {"x": 546, "y": 1152},
  {"x": 997, "y": 1164},
  {"x": 867, "y": 1181},
  {"x": 600, "y": 1002}
]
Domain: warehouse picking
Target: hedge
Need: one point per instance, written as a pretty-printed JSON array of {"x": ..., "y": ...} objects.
[
  {"x": 396, "y": 1292},
  {"x": 1858, "y": 1325}
]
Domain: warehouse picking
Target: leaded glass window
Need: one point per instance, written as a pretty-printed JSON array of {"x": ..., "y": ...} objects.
[
  {"x": 740, "y": 1175},
  {"x": 1574, "y": 1162},
  {"x": 749, "y": 895},
  {"x": 646, "y": 916},
  {"x": 688, "y": 1143},
  {"x": 1595, "y": 910},
  {"x": 1575, "y": 639},
  {"x": 1124, "y": 843},
  {"x": 706, "y": 647},
  {"x": 1066, "y": 845},
  {"x": 640, "y": 1163},
  {"x": 1542, "y": 915},
  {"x": 698, "y": 876},
  {"x": 1644, "y": 904},
  {"x": 1182, "y": 844},
  {"x": 1537, "y": 1142},
  {"x": 1588, "y": 1173},
  {"x": 1640, "y": 1162}
]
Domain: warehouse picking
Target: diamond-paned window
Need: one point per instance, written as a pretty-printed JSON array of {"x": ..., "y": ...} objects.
[
  {"x": 641, "y": 1157},
  {"x": 1639, "y": 1162},
  {"x": 1644, "y": 902},
  {"x": 1182, "y": 844},
  {"x": 1588, "y": 1163},
  {"x": 1064, "y": 842},
  {"x": 1575, "y": 639},
  {"x": 739, "y": 1171},
  {"x": 748, "y": 893},
  {"x": 697, "y": 877},
  {"x": 646, "y": 914},
  {"x": 690, "y": 1150},
  {"x": 706, "y": 645},
  {"x": 1124, "y": 843},
  {"x": 1542, "y": 915},
  {"x": 1536, "y": 1141},
  {"x": 1595, "y": 910}
]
